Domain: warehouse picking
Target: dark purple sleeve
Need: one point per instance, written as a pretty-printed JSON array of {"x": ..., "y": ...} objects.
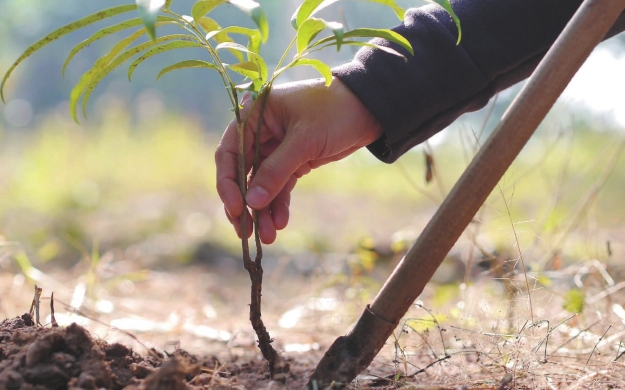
[{"x": 502, "y": 42}]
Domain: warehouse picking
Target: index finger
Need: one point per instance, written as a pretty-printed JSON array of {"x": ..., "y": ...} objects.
[{"x": 226, "y": 162}]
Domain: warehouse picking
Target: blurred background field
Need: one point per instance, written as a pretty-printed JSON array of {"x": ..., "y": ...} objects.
[{"x": 119, "y": 215}]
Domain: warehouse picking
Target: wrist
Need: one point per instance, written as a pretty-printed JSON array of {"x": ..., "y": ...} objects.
[{"x": 369, "y": 125}]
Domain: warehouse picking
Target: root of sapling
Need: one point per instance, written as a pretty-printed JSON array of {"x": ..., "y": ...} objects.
[{"x": 278, "y": 367}]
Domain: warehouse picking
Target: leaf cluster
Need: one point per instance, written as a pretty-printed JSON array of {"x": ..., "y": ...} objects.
[{"x": 199, "y": 30}]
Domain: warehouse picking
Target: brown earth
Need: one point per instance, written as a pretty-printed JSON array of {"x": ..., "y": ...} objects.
[{"x": 41, "y": 358}]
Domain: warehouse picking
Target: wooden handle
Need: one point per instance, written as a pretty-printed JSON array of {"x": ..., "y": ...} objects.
[{"x": 351, "y": 354}]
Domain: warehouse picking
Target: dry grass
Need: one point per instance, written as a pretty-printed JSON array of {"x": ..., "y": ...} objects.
[{"x": 560, "y": 205}]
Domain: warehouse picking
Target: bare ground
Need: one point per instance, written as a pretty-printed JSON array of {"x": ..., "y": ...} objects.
[{"x": 187, "y": 328}]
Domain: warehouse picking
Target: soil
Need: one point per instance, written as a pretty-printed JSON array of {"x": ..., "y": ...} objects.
[{"x": 41, "y": 358}]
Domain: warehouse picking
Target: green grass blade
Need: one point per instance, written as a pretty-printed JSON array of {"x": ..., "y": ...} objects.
[
  {"x": 186, "y": 64},
  {"x": 62, "y": 31},
  {"x": 160, "y": 49},
  {"x": 447, "y": 6},
  {"x": 254, "y": 11},
  {"x": 148, "y": 12},
  {"x": 399, "y": 11},
  {"x": 203, "y": 7},
  {"x": 320, "y": 66},
  {"x": 106, "y": 32},
  {"x": 167, "y": 4}
]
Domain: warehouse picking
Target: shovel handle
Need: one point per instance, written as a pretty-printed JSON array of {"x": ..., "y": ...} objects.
[
  {"x": 586, "y": 29},
  {"x": 351, "y": 354}
]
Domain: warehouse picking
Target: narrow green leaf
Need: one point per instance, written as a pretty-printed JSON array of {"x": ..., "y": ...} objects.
[
  {"x": 365, "y": 44},
  {"x": 447, "y": 6},
  {"x": 209, "y": 25},
  {"x": 252, "y": 86},
  {"x": 308, "y": 9},
  {"x": 307, "y": 32},
  {"x": 338, "y": 31},
  {"x": 148, "y": 12},
  {"x": 160, "y": 49},
  {"x": 97, "y": 67},
  {"x": 186, "y": 65},
  {"x": 248, "y": 69},
  {"x": 203, "y": 7},
  {"x": 313, "y": 26},
  {"x": 167, "y": 4},
  {"x": 321, "y": 67},
  {"x": 260, "y": 62},
  {"x": 106, "y": 32},
  {"x": 399, "y": 11},
  {"x": 125, "y": 56},
  {"x": 254, "y": 11},
  {"x": 62, "y": 31},
  {"x": 253, "y": 35},
  {"x": 99, "y": 35},
  {"x": 372, "y": 33},
  {"x": 106, "y": 64}
]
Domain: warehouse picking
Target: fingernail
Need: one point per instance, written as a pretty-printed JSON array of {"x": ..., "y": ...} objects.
[{"x": 256, "y": 197}]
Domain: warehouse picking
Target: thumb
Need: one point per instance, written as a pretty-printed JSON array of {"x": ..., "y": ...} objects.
[{"x": 275, "y": 171}]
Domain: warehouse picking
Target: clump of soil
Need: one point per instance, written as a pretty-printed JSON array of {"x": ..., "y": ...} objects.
[{"x": 42, "y": 358}]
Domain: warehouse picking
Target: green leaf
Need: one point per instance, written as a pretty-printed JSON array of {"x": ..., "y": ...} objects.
[
  {"x": 260, "y": 62},
  {"x": 338, "y": 31},
  {"x": 313, "y": 26},
  {"x": 307, "y": 32},
  {"x": 574, "y": 301},
  {"x": 62, "y": 31},
  {"x": 160, "y": 49},
  {"x": 97, "y": 67},
  {"x": 209, "y": 25},
  {"x": 253, "y": 35},
  {"x": 106, "y": 32},
  {"x": 254, "y": 11},
  {"x": 148, "y": 12},
  {"x": 308, "y": 9},
  {"x": 389, "y": 35},
  {"x": 99, "y": 35},
  {"x": 447, "y": 6},
  {"x": 203, "y": 7},
  {"x": 248, "y": 69},
  {"x": 320, "y": 66},
  {"x": 104, "y": 66},
  {"x": 186, "y": 65},
  {"x": 252, "y": 86},
  {"x": 167, "y": 4},
  {"x": 365, "y": 44},
  {"x": 399, "y": 11}
]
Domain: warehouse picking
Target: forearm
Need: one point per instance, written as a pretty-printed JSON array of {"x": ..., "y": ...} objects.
[{"x": 502, "y": 43}]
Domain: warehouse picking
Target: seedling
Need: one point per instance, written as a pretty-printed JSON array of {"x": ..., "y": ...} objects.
[{"x": 250, "y": 74}]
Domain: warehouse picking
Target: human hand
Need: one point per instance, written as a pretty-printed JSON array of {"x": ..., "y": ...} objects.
[{"x": 305, "y": 125}]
